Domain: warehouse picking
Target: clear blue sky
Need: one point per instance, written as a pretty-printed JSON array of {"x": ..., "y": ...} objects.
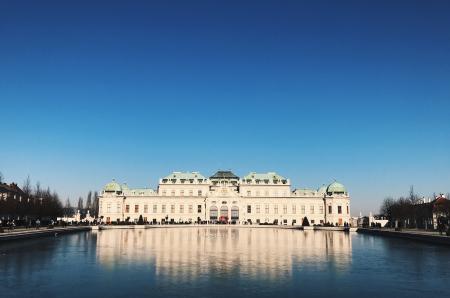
[{"x": 357, "y": 91}]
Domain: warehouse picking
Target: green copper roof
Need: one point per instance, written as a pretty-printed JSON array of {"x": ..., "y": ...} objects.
[
  {"x": 112, "y": 187},
  {"x": 184, "y": 176},
  {"x": 336, "y": 187},
  {"x": 263, "y": 176},
  {"x": 139, "y": 191}
]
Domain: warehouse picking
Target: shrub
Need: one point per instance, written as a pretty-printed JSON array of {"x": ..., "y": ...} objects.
[{"x": 305, "y": 222}]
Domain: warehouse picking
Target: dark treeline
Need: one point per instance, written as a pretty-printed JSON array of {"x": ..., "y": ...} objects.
[
  {"x": 413, "y": 212},
  {"x": 28, "y": 202}
]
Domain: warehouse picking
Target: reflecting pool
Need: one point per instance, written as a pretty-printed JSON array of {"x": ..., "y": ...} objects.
[{"x": 223, "y": 262}]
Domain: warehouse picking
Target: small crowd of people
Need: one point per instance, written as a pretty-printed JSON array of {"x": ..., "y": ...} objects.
[
  {"x": 443, "y": 226},
  {"x": 10, "y": 224}
]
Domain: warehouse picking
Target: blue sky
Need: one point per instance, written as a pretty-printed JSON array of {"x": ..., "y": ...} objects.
[{"x": 356, "y": 91}]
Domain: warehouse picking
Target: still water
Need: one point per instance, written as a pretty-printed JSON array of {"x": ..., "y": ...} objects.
[{"x": 223, "y": 262}]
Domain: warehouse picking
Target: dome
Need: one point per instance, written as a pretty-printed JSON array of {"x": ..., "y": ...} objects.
[
  {"x": 336, "y": 187},
  {"x": 112, "y": 187}
]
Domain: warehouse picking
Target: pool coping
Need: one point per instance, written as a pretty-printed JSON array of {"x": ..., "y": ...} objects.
[
  {"x": 42, "y": 232},
  {"x": 410, "y": 235}
]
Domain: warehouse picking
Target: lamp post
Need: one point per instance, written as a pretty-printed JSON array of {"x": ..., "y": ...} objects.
[{"x": 205, "y": 207}]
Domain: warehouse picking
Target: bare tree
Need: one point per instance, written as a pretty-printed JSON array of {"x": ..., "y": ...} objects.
[
  {"x": 68, "y": 211},
  {"x": 386, "y": 207},
  {"x": 1, "y": 177},
  {"x": 89, "y": 201},
  {"x": 68, "y": 205},
  {"x": 38, "y": 190},
  {"x": 80, "y": 204},
  {"x": 413, "y": 198},
  {"x": 26, "y": 187},
  {"x": 95, "y": 205}
]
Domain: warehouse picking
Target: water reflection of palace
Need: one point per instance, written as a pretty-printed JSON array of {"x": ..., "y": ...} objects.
[{"x": 186, "y": 253}]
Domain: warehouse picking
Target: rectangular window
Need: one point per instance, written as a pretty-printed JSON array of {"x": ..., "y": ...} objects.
[
  {"x": 172, "y": 208},
  {"x": 249, "y": 193},
  {"x": 164, "y": 192},
  {"x": 321, "y": 209},
  {"x": 181, "y": 208},
  {"x": 108, "y": 208},
  {"x": 257, "y": 193},
  {"x": 145, "y": 208},
  {"x": 258, "y": 209},
  {"x": 339, "y": 209},
  {"x": 155, "y": 208},
  {"x": 303, "y": 209},
  {"x": 267, "y": 208},
  {"x": 127, "y": 208},
  {"x": 347, "y": 209},
  {"x": 249, "y": 209},
  {"x": 294, "y": 209},
  {"x": 173, "y": 193},
  {"x": 311, "y": 209},
  {"x": 199, "y": 193},
  {"x": 118, "y": 207},
  {"x": 190, "y": 208},
  {"x": 181, "y": 192},
  {"x": 136, "y": 208},
  {"x": 275, "y": 209},
  {"x": 163, "y": 208},
  {"x": 191, "y": 192},
  {"x": 199, "y": 208},
  {"x": 284, "y": 209},
  {"x": 329, "y": 209}
]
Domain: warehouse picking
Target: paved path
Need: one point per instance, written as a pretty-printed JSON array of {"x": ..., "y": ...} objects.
[
  {"x": 414, "y": 231},
  {"x": 34, "y": 233},
  {"x": 419, "y": 235}
]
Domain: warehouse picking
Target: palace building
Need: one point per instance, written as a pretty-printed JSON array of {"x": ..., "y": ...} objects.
[{"x": 256, "y": 198}]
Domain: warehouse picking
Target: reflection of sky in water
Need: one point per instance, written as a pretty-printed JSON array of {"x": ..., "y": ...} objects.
[
  {"x": 187, "y": 253},
  {"x": 222, "y": 262}
]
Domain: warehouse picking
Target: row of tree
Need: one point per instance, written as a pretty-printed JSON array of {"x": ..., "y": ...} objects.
[
  {"x": 38, "y": 202},
  {"x": 412, "y": 212},
  {"x": 31, "y": 202}
]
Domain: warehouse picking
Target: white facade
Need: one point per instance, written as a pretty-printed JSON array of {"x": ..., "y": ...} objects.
[{"x": 224, "y": 197}]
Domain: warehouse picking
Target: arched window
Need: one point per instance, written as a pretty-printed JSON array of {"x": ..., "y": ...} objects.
[
  {"x": 234, "y": 213},
  {"x": 213, "y": 213},
  {"x": 224, "y": 211}
]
